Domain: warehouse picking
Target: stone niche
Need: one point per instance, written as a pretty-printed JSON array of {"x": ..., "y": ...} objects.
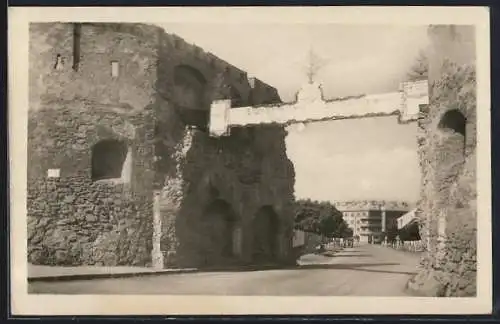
[{"x": 447, "y": 207}]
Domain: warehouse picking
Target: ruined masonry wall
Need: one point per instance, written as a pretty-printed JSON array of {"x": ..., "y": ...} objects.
[
  {"x": 248, "y": 169},
  {"x": 447, "y": 209},
  {"x": 243, "y": 171},
  {"x": 73, "y": 220},
  {"x": 133, "y": 46}
]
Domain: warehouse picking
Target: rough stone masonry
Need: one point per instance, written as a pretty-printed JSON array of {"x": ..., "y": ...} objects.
[
  {"x": 447, "y": 145},
  {"x": 121, "y": 169}
]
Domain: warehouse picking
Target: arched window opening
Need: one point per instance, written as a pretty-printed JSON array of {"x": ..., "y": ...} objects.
[
  {"x": 265, "y": 235},
  {"x": 453, "y": 120},
  {"x": 190, "y": 87},
  {"x": 189, "y": 94},
  {"x": 451, "y": 145},
  {"x": 109, "y": 160}
]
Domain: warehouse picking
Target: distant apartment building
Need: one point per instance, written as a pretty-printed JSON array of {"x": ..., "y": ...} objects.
[{"x": 371, "y": 219}]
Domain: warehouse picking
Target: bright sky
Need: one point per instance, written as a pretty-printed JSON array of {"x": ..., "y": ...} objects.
[{"x": 333, "y": 161}]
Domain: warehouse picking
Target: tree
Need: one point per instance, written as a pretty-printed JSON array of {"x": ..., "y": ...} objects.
[
  {"x": 420, "y": 68},
  {"x": 320, "y": 218},
  {"x": 344, "y": 231},
  {"x": 314, "y": 64}
]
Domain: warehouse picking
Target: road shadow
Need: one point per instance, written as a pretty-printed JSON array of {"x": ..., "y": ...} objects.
[
  {"x": 348, "y": 253},
  {"x": 340, "y": 255},
  {"x": 304, "y": 267},
  {"x": 354, "y": 267}
]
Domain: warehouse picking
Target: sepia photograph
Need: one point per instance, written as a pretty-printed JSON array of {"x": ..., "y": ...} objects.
[{"x": 231, "y": 153}]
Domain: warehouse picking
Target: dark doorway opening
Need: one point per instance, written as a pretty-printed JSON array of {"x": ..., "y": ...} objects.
[
  {"x": 221, "y": 224},
  {"x": 265, "y": 235}
]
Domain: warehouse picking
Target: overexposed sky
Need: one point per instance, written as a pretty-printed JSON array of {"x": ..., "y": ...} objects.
[
  {"x": 358, "y": 59},
  {"x": 353, "y": 159}
]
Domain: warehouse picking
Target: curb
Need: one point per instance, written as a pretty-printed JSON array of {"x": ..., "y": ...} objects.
[
  {"x": 108, "y": 275},
  {"x": 90, "y": 276}
]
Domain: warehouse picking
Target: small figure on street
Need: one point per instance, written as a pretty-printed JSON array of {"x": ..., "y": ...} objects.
[{"x": 398, "y": 242}]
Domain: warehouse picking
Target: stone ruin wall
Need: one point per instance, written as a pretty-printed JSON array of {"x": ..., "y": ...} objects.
[
  {"x": 73, "y": 220},
  {"x": 248, "y": 170},
  {"x": 447, "y": 208}
]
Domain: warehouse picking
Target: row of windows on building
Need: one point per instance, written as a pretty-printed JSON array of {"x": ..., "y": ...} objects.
[
  {"x": 364, "y": 224},
  {"x": 358, "y": 221},
  {"x": 353, "y": 214}
]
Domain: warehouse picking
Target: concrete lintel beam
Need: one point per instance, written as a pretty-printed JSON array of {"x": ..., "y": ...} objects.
[{"x": 311, "y": 106}]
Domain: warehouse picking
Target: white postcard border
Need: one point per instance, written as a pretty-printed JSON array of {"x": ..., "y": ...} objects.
[{"x": 23, "y": 303}]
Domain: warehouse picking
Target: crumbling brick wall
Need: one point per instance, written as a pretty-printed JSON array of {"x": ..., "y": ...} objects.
[{"x": 448, "y": 160}]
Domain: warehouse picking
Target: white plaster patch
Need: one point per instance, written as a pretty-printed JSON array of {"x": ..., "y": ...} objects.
[
  {"x": 157, "y": 254},
  {"x": 442, "y": 226},
  {"x": 53, "y": 173},
  {"x": 219, "y": 117},
  {"x": 127, "y": 168},
  {"x": 114, "y": 69}
]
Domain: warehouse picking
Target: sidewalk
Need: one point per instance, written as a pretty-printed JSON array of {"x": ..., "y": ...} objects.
[
  {"x": 57, "y": 273},
  {"x": 54, "y": 273}
]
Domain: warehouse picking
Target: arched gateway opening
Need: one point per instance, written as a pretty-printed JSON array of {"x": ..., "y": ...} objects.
[
  {"x": 224, "y": 234},
  {"x": 265, "y": 235}
]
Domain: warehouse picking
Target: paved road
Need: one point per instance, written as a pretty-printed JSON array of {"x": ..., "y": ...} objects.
[{"x": 361, "y": 271}]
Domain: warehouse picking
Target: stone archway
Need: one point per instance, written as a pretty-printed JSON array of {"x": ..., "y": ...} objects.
[
  {"x": 223, "y": 234},
  {"x": 265, "y": 231}
]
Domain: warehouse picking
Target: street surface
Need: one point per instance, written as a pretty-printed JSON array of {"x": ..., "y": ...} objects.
[{"x": 367, "y": 270}]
